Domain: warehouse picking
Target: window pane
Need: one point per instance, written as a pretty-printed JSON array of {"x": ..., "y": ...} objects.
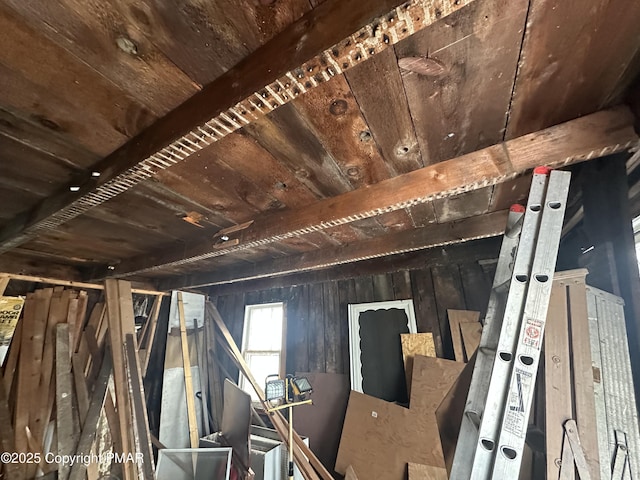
[
  {"x": 264, "y": 327},
  {"x": 261, "y": 366}
]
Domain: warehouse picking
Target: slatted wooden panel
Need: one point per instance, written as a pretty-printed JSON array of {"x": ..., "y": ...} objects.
[{"x": 317, "y": 313}]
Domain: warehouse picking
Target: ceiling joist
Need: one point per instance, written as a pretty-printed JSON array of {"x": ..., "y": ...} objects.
[
  {"x": 592, "y": 136},
  {"x": 329, "y": 40},
  {"x": 473, "y": 228}
]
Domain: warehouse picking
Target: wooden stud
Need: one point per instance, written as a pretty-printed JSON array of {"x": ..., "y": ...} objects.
[
  {"x": 64, "y": 400},
  {"x": 120, "y": 380},
  {"x": 188, "y": 382},
  {"x": 11, "y": 470},
  {"x": 139, "y": 407},
  {"x": 93, "y": 415},
  {"x": 151, "y": 335}
]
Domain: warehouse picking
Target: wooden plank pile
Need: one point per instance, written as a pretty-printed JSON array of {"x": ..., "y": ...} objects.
[{"x": 55, "y": 400}]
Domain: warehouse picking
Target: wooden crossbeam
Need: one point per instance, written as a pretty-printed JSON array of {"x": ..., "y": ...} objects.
[
  {"x": 482, "y": 226},
  {"x": 582, "y": 139},
  {"x": 325, "y": 42}
]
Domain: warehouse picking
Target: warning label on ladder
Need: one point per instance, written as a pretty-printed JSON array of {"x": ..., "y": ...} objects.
[
  {"x": 533, "y": 333},
  {"x": 514, "y": 418}
]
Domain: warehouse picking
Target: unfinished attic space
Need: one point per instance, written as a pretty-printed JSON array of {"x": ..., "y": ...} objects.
[{"x": 319, "y": 240}]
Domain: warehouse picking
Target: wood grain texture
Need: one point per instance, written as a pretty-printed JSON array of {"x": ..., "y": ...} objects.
[
  {"x": 601, "y": 46},
  {"x": 378, "y": 89},
  {"x": 426, "y": 472},
  {"x": 558, "y": 387},
  {"x": 477, "y": 50},
  {"x": 389, "y": 424},
  {"x": 582, "y": 368},
  {"x": 575, "y": 141},
  {"x": 414, "y": 344},
  {"x": 419, "y": 239},
  {"x": 456, "y": 319},
  {"x": 471, "y": 333},
  {"x": 432, "y": 380}
]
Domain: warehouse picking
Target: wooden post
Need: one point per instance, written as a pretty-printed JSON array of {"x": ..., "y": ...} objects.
[
  {"x": 64, "y": 399},
  {"x": 188, "y": 381}
]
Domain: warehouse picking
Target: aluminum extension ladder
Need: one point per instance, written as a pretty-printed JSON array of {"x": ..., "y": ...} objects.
[{"x": 496, "y": 415}]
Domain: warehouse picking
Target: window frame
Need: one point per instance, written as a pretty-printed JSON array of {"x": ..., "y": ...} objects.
[{"x": 242, "y": 381}]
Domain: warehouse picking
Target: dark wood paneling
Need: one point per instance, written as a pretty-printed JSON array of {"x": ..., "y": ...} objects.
[
  {"x": 447, "y": 286},
  {"x": 317, "y": 313}
]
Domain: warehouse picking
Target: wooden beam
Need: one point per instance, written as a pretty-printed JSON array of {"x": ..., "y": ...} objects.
[
  {"x": 483, "y": 226},
  {"x": 188, "y": 381},
  {"x": 71, "y": 283},
  {"x": 325, "y": 42},
  {"x": 64, "y": 399},
  {"x": 585, "y": 138}
]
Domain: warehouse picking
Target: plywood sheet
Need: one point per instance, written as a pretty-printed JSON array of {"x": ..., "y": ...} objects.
[
  {"x": 426, "y": 472},
  {"x": 415, "y": 344},
  {"x": 432, "y": 380},
  {"x": 471, "y": 333},
  {"x": 379, "y": 439},
  {"x": 456, "y": 317},
  {"x": 322, "y": 421},
  {"x": 449, "y": 413}
]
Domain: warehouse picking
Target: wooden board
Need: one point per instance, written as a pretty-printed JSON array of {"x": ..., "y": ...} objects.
[
  {"x": 432, "y": 380},
  {"x": 426, "y": 472},
  {"x": 414, "y": 344},
  {"x": 379, "y": 439},
  {"x": 449, "y": 412},
  {"x": 550, "y": 90},
  {"x": 322, "y": 421},
  {"x": 66, "y": 431},
  {"x": 456, "y": 318},
  {"x": 582, "y": 369},
  {"x": 471, "y": 333},
  {"x": 558, "y": 387},
  {"x": 471, "y": 59}
]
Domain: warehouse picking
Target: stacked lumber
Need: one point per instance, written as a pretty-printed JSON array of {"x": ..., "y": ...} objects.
[{"x": 55, "y": 398}]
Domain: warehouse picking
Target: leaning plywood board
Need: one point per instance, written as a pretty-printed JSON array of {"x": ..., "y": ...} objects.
[
  {"x": 322, "y": 421},
  {"x": 456, "y": 318},
  {"x": 426, "y": 472},
  {"x": 471, "y": 333},
  {"x": 379, "y": 439},
  {"x": 351, "y": 474},
  {"x": 449, "y": 412},
  {"x": 415, "y": 344},
  {"x": 432, "y": 380}
]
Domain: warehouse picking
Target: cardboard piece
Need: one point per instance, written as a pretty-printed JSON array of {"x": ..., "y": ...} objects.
[{"x": 415, "y": 344}]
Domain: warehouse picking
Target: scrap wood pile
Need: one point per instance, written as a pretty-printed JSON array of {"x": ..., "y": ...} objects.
[{"x": 71, "y": 392}]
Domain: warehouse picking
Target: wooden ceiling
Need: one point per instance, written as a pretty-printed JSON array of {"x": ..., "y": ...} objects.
[{"x": 348, "y": 166}]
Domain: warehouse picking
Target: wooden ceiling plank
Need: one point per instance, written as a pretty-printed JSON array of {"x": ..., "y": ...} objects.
[
  {"x": 285, "y": 135},
  {"x": 335, "y": 117},
  {"x": 107, "y": 38},
  {"x": 312, "y": 50},
  {"x": 483, "y": 226},
  {"x": 45, "y": 64},
  {"x": 34, "y": 135},
  {"x": 574, "y": 57},
  {"x": 377, "y": 87},
  {"x": 589, "y": 137},
  {"x": 47, "y": 108},
  {"x": 471, "y": 59},
  {"x": 205, "y": 39}
]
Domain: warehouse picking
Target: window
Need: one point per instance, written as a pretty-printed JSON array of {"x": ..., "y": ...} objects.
[{"x": 262, "y": 343}]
